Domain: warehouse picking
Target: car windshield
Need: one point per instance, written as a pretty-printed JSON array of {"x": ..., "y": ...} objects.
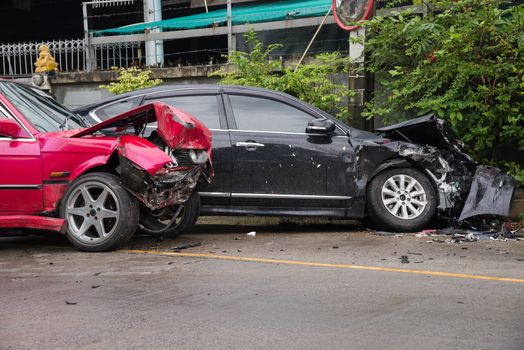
[{"x": 44, "y": 113}]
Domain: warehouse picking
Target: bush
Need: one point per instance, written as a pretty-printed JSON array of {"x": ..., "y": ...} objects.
[
  {"x": 312, "y": 82},
  {"x": 130, "y": 79},
  {"x": 464, "y": 62}
]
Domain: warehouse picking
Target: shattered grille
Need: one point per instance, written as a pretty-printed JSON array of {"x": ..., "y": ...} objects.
[{"x": 182, "y": 157}]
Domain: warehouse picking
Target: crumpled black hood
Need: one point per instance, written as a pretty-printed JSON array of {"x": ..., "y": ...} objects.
[{"x": 427, "y": 130}]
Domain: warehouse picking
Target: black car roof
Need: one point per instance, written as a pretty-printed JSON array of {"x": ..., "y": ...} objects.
[{"x": 177, "y": 87}]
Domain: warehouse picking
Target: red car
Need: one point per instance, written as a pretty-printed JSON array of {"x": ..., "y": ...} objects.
[{"x": 96, "y": 184}]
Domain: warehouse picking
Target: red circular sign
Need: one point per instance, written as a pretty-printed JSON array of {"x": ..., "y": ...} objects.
[{"x": 347, "y": 12}]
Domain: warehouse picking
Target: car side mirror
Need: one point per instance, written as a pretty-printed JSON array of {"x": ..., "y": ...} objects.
[
  {"x": 321, "y": 126},
  {"x": 10, "y": 128}
]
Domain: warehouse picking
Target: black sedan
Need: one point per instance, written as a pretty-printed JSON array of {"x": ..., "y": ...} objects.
[{"x": 275, "y": 155}]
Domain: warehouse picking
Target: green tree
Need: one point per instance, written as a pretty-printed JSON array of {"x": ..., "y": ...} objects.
[
  {"x": 313, "y": 82},
  {"x": 464, "y": 62},
  {"x": 130, "y": 79}
]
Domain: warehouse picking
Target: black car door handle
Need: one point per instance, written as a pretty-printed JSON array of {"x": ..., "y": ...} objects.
[{"x": 249, "y": 144}]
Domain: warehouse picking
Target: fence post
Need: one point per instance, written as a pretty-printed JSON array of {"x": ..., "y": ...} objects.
[
  {"x": 231, "y": 45},
  {"x": 89, "y": 63}
]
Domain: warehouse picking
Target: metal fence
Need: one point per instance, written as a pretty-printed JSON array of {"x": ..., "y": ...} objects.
[
  {"x": 19, "y": 59},
  {"x": 124, "y": 54}
]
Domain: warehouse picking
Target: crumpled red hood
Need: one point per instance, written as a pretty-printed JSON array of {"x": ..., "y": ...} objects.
[{"x": 177, "y": 128}]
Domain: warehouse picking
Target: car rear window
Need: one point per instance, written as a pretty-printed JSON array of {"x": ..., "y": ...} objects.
[
  {"x": 203, "y": 107},
  {"x": 117, "y": 108}
]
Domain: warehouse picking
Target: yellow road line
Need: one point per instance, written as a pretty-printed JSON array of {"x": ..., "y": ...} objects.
[{"x": 339, "y": 266}]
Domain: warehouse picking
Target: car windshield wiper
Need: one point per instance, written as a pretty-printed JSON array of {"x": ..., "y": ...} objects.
[{"x": 63, "y": 125}]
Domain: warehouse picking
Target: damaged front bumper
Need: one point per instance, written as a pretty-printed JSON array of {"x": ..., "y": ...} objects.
[
  {"x": 491, "y": 193},
  {"x": 167, "y": 187}
]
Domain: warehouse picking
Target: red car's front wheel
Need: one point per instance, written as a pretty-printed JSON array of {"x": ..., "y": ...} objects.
[{"x": 100, "y": 214}]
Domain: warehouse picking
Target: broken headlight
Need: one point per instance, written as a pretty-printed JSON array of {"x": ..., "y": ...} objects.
[{"x": 198, "y": 156}]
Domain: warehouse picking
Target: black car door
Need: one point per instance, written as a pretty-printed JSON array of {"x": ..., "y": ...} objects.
[
  {"x": 277, "y": 164},
  {"x": 208, "y": 107}
]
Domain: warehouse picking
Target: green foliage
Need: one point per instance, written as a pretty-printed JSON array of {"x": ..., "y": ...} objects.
[
  {"x": 515, "y": 170},
  {"x": 464, "y": 62},
  {"x": 130, "y": 79},
  {"x": 313, "y": 82}
]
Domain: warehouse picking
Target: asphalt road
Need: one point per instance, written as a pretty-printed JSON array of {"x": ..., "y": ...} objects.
[{"x": 309, "y": 296}]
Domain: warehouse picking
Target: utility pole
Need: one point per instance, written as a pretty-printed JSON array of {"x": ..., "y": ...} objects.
[
  {"x": 357, "y": 78},
  {"x": 231, "y": 42},
  {"x": 154, "y": 48}
]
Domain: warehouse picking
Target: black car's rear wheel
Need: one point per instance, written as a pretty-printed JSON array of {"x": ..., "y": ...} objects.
[
  {"x": 171, "y": 222},
  {"x": 401, "y": 200}
]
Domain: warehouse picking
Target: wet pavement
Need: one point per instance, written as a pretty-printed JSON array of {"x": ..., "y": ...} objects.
[{"x": 287, "y": 287}]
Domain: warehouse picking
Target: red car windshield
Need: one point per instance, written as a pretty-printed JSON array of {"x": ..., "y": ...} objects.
[{"x": 44, "y": 113}]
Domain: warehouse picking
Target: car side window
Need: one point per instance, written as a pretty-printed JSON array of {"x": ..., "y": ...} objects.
[
  {"x": 262, "y": 114},
  {"x": 203, "y": 107},
  {"x": 117, "y": 108}
]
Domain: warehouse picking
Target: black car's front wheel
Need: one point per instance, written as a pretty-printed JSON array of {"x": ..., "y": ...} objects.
[
  {"x": 171, "y": 222},
  {"x": 401, "y": 199}
]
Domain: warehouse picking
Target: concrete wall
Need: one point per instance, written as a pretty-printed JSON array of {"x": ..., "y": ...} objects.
[{"x": 78, "y": 89}]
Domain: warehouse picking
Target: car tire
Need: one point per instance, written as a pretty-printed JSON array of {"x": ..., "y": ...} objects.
[
  {"x": 155, "y": 226},
  {"x": 97, "y": 223},
  {"x": 401, "y": 200}
]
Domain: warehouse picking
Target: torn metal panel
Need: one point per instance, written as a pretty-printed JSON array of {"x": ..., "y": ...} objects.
[
  {"x": 177, "y": 128},
  {"x": 491, "y": 193},
  {"x": 143, "y": 153}
]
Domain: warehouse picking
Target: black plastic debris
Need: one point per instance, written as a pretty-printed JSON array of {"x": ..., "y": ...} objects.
[
  {"x": 404, "y": 259},
  {"x": 466, "y": 232},
  {"x": 186, "y": 246}
]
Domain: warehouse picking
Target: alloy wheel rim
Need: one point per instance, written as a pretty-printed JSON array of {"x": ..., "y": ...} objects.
[
  {"x": 404, "y": 197},
  {"x": 92, "y": 212}
]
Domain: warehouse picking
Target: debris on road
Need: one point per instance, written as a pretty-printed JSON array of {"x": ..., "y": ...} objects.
[
  {"x": 492, "y": 230},
  {"x": 71, "y": 302},
  {"x": 186, "y": 246},
  {"x": 251, "y": 234},
  {"x": 384, "y": 233},
  {"x": 468, "y": 237},
  {"x": 413, "y": 253},
  {"x": 404, "y": 259}
]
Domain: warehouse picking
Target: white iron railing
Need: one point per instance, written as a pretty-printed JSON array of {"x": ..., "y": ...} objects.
[{"x": 19, "y": 59}]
